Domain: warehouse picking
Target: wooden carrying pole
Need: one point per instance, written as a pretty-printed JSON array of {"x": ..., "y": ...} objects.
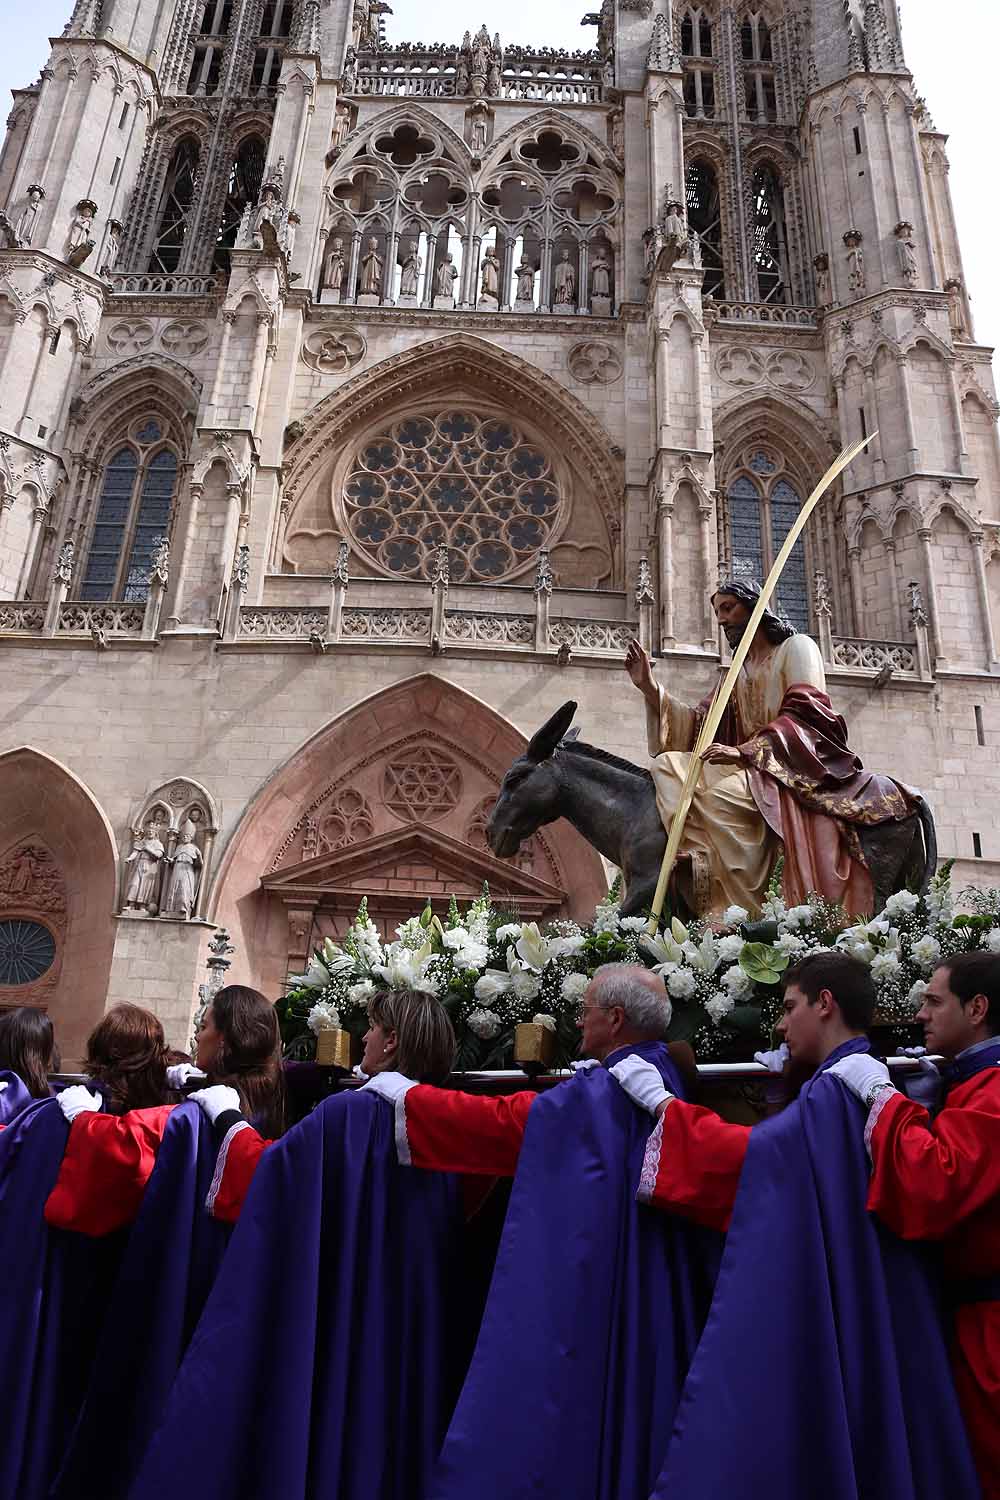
[{"x": 712, "y": 720}]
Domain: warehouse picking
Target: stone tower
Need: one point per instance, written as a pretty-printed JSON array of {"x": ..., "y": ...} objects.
[{"x": 361, "y": 396}]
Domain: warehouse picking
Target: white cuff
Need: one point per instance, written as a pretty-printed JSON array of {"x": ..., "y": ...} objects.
[
  {"x": 651, "y": 1163},
  {"x": 877, "y": 1101},
  {"x": 220, "y": 1163},
  {"x": 393, "y": 1088}
]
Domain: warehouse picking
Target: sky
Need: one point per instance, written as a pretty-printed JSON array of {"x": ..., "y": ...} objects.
[{"x": 958, "y": 83}]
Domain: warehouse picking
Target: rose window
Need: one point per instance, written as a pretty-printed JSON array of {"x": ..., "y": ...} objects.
[{"x": 476, "y": 484}]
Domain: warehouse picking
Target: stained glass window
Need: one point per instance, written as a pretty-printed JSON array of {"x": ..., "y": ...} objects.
[
  {"x": 475, "y": 483},
  {"x": 762, "y": 486},
  {"x": 134, "y": 510},
  {"x": 27, "y": 950}
]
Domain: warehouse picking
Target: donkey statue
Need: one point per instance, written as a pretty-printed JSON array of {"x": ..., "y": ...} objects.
[{"x": 612, "y": 804}]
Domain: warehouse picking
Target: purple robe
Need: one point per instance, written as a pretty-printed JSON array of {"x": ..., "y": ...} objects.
[
  {"x": 823, "y": 1369},
  {"x": 174, "y": 1252},
  {"x": 325, "y": 1362},
  {"x": 593, "y": 1315},
  {"x": 13, "y": 1098}
]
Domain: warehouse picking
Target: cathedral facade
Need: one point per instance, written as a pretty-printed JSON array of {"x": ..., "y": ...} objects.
[{"x": 360, "y": 398}]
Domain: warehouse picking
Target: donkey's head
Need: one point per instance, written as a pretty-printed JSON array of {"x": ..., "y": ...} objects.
[{"x": 530, "y": 792}]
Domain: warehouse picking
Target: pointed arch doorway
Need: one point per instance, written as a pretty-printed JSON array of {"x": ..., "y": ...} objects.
[{"x": 388, "y": 801}]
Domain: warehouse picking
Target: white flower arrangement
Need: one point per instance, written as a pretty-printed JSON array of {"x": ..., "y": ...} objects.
[{"x": 492, "y": 973}]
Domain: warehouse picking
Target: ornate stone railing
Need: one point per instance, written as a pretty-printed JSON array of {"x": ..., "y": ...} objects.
[
  {"x": 489, "y": 630},
  {"x": 395, "y": 625},
  {"x": 590, "y": 637},
  {"x": 273, "y": 622},
  {"x": 875, "y": 656},
  {"x": 416, "y": 71},
  {"x": 157, "y": 284},
  {"x": 21, "y": 618},
  {"x": 764, "y": 312},
  {"x": 542, "y": 81},
  {"x": 410, "y": 82},
  {"x": 109, "y": 619}
]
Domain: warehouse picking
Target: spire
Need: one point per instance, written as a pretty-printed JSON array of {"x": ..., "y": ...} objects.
[{"x": 663, "y": 56}]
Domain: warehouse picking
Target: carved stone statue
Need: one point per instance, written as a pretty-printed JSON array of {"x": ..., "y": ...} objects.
[
  {"x": 112, "y": 246},
  {"x": 675, "y": 231},
  {"x": 25, "y": 225},
  {"x": 341, "y": 127},
  {"x": 333, "y": 269},
  {"x": 694, "y": 249},
  {"x": 564, "y": 282},
  {"x": 491, "y": 275},
  {"x": 8, "y": 239},
  {"x": 81, "y": 233},
  {"x": 410, "y": 276},
  {"x": 906, "y": 254},
  {"x": 445, "y": 278},
  {"x": 618, "y": 133},
  {"x": 182, "y": 888},
  {"x": 855, "y": 261},
  {"x": 370, "y": 282},
  {"x": 600, "y": 275},
  {"x": 478, "y": 133},
  {"x": 350, "y": 78},
  {"x": 525, "y": 274},
  {"x": 267, "y": 220},
  {"x": 956, "y": 308},
  {"x": 822, "y": 265},
  {"x": 145, "y": 859}
]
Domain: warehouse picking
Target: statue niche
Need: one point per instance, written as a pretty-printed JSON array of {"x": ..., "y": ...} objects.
[{"x": 165, "y": 872}]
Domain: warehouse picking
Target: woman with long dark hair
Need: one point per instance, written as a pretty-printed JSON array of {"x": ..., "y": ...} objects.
[
  {"x": 27, "y": 1042},
  {"x": 110, "y": 1157}
]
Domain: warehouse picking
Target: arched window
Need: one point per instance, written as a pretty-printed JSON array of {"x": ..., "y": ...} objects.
[
  {"x": 770, "y": 244},
  {"x": 755, "y": 47},
  {"x": 476, "y": 483},
  {"x": 699, "y": 75},
  {"x": 704, "y": 217},
  {"x": 245, "y": 178},
  {"x": 134, "y": 510},
  {"x": 175, "y": 206},
  {"x": 763, "y": 502}
]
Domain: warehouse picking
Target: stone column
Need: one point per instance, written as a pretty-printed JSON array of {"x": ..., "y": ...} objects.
[
  {"x": 228, "y": 319},
  {"x": 709, "y": 627},
  {"x": 913, "y": 452},
  {"x": 932, "y": 606},
  {"x": 256, "y": 377},
  {"x": 338, "y": 592},
  {"x": 439, "y": 599},
  {"x": 62, "y": 577},
  {"x": 821, "y": 603},
  {"x": 663, "y": 385},
  {"x": 857, "y": 590},
  {"x": 238, "y": 585},
  {"x": 543, "y": 596},
  {"x": 583, "y": 279},
  {"x": 665, "y": 541},
  {"x": 983, "y": 590},
  {"x": 897, "y": 588},
  {"x": 644, "y": 601},
  {"x": 954, "y": 401}
]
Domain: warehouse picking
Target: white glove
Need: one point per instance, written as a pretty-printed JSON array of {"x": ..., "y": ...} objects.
[
  {"x": 215, "y": 1101},
  {"x": 642, "y": 1082},
  {"x": 583, "y": 1063},
  {"x": 924, "y": 1088},
  {"x": 178, "y": 1074},
  {"x": 863, "y": 1075},
  {"x": 774, "y": 1061},
  {"x": 78, "y": 1100},
  {"x": 389, "y": 1085}
]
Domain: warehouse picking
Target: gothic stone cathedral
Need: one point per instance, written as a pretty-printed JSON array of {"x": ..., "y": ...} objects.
[{"x": 359, "y": 399}]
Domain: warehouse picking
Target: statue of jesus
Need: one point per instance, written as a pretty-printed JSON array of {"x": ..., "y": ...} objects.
[{"x": 780, "y": 775}]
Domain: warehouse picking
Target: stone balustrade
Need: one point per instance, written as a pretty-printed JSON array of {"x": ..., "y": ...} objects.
[
  {"x": 160, "y": 284},
  {"x": 875, "y": 656},
  {"x": 431, "y": 73},
  {"x": 763, "y": 312}
]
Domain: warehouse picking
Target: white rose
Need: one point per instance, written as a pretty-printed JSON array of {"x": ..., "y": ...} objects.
[
  {"x": 902, "y": 904},
  {"x": 681, "y": 984},
  {"x": 736, "y": 982},
  {"x": 719, "y": 1006},
  {"x": 567, "y": 947},
  {"x": 992, "y": 940},
  {"x": 492, "y": 985},
  {"x": 508, "y": 931},
  {"x": 485, "y": 1024},
  {"x": 730, "y": 947},
  {"x": 573, "y": 987},
  {"x": 733, "y": 916}
]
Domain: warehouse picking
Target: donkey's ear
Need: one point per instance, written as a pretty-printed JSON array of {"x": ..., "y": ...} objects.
[{"x": 545, "y": 740}]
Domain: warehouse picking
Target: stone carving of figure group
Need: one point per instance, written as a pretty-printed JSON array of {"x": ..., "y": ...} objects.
[{"x": 148, "y": 855}]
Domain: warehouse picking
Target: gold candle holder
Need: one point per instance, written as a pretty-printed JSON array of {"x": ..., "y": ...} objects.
[
  {"x": 534, "y": 1043},
  {"x": 333, "y": 1048}
]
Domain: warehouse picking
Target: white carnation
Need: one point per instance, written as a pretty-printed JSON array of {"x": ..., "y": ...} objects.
[
  {"x": 730, "y": 947},
  {"x": 992, "y": 940},
  {"x": 885, "y": 965},
  {"x": 508, "y": 931},
  {"x": 485, "y": 1024},
  {"x": 359, "y": 994},
  {"x": 926, "y": 951},
  {"x": 916, "y": 995},
  {"x": 567, "y": 947},
  {"x": 542, "y": 1019},
  {"x": 526, "y": 984},
  {"x": 632, "y": 924},
  {"x": 573, "y": 986},
  {"x": 733, "y": 916},
  {"x": 492, "y": 985},
  {"x": 323, "y": 1017},
  {"x": 736, "y": 982},
  {"x": 796, "y": 917},
  {"x": 719, "y": 1006},
  {"x": 455, "y": 937},
  {"x": 681, "y": 983},
  {"x": 902, "y": 904},
  {"x": 788, "y": 943}
]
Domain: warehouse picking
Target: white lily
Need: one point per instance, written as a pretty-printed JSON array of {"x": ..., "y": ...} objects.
[
  {"x": 404, "y": 968},
  {"x": 678, "y": 931},
  {"x": 663, "y": 947},
  {"x": 316, "y": 977},
  {"x": 531, "y": 948},
  {"x": 702, "y": 956}
]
